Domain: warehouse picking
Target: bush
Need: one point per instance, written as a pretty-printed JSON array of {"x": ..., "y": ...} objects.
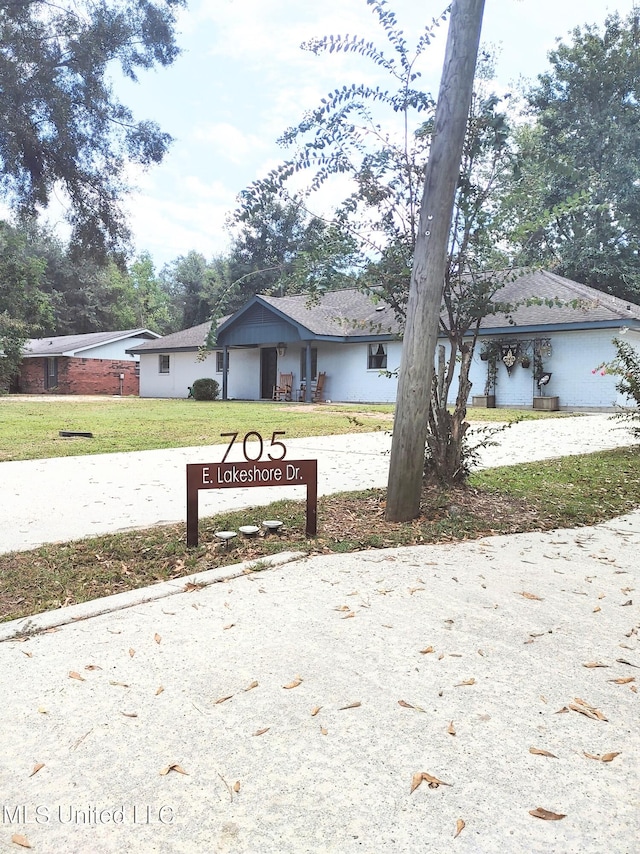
[
  {"x": 626, "y": 366},
  {"x": 205, "y": 389}
]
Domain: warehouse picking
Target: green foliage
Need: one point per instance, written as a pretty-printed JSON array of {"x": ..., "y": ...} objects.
[
  {"x": 60, "y": 124},
  {"x": 205, "y": 388},
  {"x": 576, "y": 186},
  {"x": 24, "y": 309},
  {"x": 626, "y": 366}
]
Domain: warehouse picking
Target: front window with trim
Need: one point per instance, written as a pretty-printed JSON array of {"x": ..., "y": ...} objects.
[
  {"x": 377, "y": 360},
  {"x": 220, "y": 361},
  {"x": 163, "y": 363}
]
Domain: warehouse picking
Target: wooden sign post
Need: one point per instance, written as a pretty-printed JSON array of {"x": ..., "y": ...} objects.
[{"x": 276, "y": 472}]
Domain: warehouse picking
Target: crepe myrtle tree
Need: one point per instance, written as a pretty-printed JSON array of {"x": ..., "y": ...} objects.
[{"x": 62, "y": 128}]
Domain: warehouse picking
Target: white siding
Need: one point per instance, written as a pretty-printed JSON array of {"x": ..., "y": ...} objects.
[{"x": 112, "y": 350}]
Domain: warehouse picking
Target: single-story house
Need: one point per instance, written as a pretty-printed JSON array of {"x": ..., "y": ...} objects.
[
  {"x": 93, "y": 363},
  {"x": 557, "y": 325}
]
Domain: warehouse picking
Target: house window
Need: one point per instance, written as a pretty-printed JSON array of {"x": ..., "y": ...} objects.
[
  {"x": 377, "y": 359},
  {"x": 163, "y": 363},
  {"x": 303, "y": 364},
  {"x": 220, "y": 361},
  {"x": 136, "y": 369}
]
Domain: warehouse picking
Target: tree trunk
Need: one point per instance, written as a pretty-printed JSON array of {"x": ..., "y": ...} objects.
[{"x": 425, "y": 294}]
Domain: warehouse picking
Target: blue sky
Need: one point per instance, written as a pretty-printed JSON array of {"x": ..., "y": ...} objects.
[{"x": 243, "y": 79}]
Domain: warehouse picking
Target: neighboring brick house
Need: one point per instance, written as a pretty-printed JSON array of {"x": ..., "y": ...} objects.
[{"x": 95, "y": 363}]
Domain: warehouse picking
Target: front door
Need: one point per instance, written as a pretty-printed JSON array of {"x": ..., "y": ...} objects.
[
  {"x": 50, "y": 372},
  {"x": 268, "y": 371}
]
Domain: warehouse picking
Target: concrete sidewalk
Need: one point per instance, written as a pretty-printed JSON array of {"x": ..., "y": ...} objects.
[
  {"x": 300, "y": 702},
  {"x": 69, "y": 498},
  {"x": 289, "y": 710}
]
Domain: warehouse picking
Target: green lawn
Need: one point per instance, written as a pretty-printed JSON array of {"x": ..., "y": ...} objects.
[{"x": 29, "y": 428}]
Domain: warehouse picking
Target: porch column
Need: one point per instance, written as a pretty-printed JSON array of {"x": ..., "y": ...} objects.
[
  {"x": 307, "y": 385},
  {"x": 225, "y": 370}
]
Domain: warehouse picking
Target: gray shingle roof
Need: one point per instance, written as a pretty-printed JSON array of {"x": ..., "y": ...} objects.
[
  {"x": 187, "y": 339},
  {"x": 346, "y": 313},
  {"x": 68, "y": 345},
  {"x": 350, "y": 313},
  {"x": 558, "y": 301}
]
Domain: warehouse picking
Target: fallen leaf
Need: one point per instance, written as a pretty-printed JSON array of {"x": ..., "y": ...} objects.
[
  {"x": 228, "y": 626},
  {"x": 460, "y": 825},
  {"x": 129, "y": 714},
  {"x": 350, "y": 706},
  {"x": 236, "y": 786},
  {"x": 596, "y": 609},
  {"x": 324, "y": 730},
  {"x": 547, "y": 815},
  {"x": 427, "y": 650},
  {"x": 342, "y": 607},
  {"x": 19, "y": 839},
  {"x": 471, "y": 681},
  {"x": 190, "y": 586},
  {"x": 222, "y": 699},
  {"x": 628, "y": 663},
  {"x": 132, "y": 652},
  {"x": 595, "y": 664},
  {"x": 28, "y": 654},
  {"x": 623, "y": 680},
  {"x": 409, "y": 706},
  {"x": 251, "y": 686},
  {"x": 159, "y": 689},
  {"x": 451, "y": 729},
  {"x": 315, "y": 710},
  {"x": 628, "y": 602},
  {"x": 433, "y": 782},
  {"x": 606, "y": 757},
  {"x": 349, "y": 615},
  {"x": 36, "y": 768},
  {"x": 173, "y": 767},
  {"x": 157, "y": 638},
  {"x": 92, "y": 667},
  {"x": 561, "y": 711},
  {"x": 586, "y": 709},
  {"x": 530, "y": 596},
  {"x": 262, "y": 731},
  {"x": 74, "y": 675},
  {"x": 120, "y": 684},
  {"x": 297, "y": 681},
  {"x": 42, "y": 710},
  {"x": 539, "y": 752}
]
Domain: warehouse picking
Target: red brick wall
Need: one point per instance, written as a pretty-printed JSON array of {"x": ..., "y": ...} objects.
[{"x": 80, "y": 376}]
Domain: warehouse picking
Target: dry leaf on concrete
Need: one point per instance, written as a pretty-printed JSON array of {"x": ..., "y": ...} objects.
[
  {"x": 228, "y": 626},
  {"x": 157, "y": 638},
  {"x": 315, "y": 710},
  {"x": 132, "y": 652},
  {"x": 586, "y": 709},
  {"x": 129, "y": 714},
  {"x": 623, "y": 680},
  {"x": 74, "y": 675},
  {"x": 173, "y": 767},
  {"x": 262, "y": 731},
  {"x": 324, "y": 730},
  {"x": 471, "y": 681},
  {"x": 530, "y": 596},
  {"x": 628, "y": 663},
  {"x": 36, "y": 768},
  {"x": 409, "y": 706},
  {"x": 427, "y": 650},
  {"x": 236, "y": 786},
  {"x": 547, "y": 815},
  {"x": 433, "y": 782},
  {"x": 222, "y": 699},
  {"x": 606, "y": 757},
  {"x": 159, "y": 689},
  {"x": 297, "y": 681},
  {"x": 350, "y": 706},
  {"x": 19, "y": 839},
  {"x": 451, "y": 729},
  {"x": 460, "y": 825},
  {"x": 537, "y": 751},
  {"x": 595, "y": 664},
  {"x": 250, "y": 687},
  {"x": 92, "y": 667}
]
